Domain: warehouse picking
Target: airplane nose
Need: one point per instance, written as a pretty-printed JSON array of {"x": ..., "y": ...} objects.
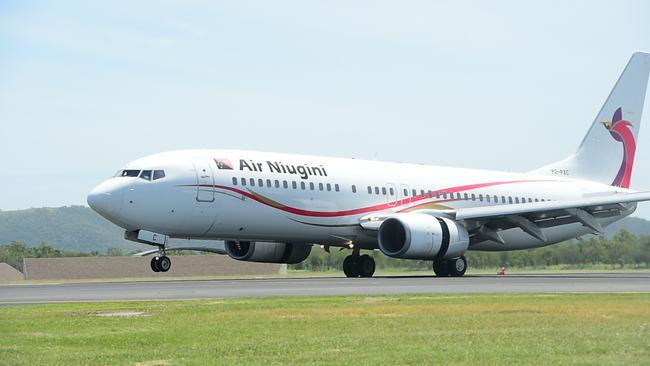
[{"x": 105, "y": 200}]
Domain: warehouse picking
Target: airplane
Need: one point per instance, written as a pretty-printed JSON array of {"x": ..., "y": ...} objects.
[{"x": 273, "y": 207}]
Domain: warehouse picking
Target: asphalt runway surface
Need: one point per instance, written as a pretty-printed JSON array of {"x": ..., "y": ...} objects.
[{"x": 313, "y": 286}]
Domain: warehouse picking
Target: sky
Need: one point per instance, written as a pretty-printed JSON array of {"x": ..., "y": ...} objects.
[{"x": 86, "y": 86}]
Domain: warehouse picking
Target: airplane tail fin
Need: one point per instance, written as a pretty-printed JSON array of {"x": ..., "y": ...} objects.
[{"x": 606, "y": 154}]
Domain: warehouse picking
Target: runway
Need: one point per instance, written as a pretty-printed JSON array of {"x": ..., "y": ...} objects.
[{"x": 316, "y": 286}]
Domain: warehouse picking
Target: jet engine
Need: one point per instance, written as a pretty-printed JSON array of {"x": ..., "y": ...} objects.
[
  {"x": 250, "y": 251},
  {"x": 421, "y": 236}
]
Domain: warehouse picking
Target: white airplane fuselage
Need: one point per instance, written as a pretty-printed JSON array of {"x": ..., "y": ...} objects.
[{"x": 318, "y": 200}]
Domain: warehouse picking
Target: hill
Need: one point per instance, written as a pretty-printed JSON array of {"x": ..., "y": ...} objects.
[
  {"x": 635, "y": 225},
  {"x": 71, "y": 228},
  {"x": 78, "y": 228}
]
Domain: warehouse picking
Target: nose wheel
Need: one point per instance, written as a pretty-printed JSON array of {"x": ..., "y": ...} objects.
[{"x": 161, "y": 263}]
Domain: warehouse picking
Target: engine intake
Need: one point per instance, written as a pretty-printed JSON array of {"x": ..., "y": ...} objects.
[
  {"x": 421, "y": 236},
  {"x": 290, "y": 253}
]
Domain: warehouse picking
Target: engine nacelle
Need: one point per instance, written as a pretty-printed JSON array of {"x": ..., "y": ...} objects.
[
  {"x": 268, "y": 252},
  {"x": 421, "y": 236}
]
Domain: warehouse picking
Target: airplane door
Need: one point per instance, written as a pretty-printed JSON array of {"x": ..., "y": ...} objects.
[{"x": 205, "y": 181}]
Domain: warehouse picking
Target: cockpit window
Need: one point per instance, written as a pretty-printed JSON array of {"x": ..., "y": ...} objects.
[
  {"x": 130, "y": 173},
  {"x": 158, "y": 174},
  {"x": 146, "y": 175}
]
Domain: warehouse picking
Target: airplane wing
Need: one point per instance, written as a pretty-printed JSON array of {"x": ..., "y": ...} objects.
[{"x": 484, "y": 223}]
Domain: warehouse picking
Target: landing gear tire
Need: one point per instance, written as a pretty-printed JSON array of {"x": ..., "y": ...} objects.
[
  {"x": 350, "y": 266},
  {"x": 154, "y": 264},
  {"x": 440, "y": 268},
  {"x": 457, "y": 267},
  {"x": 359, "y": 266},
  {"x": 161, "y": 264},
  {"x": 366, "y": 266},
  {"x": 164, "y": 263}
]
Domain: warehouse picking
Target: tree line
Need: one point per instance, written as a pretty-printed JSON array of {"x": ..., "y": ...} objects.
[{"x": 623, "y": 250}]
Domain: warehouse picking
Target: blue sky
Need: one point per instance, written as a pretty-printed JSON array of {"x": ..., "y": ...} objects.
[{"x": 88, "y": 86}]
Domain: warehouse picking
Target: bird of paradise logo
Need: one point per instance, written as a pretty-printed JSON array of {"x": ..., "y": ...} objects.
[
  {"x": 223, "y": 164},
  {"x": 621, "y": 130}
]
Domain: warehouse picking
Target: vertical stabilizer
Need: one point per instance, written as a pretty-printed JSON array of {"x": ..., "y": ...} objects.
[{"x": 606, "y": 154}]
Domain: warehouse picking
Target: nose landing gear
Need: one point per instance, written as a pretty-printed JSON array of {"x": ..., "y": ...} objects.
[{"x": 161, "y": 262}]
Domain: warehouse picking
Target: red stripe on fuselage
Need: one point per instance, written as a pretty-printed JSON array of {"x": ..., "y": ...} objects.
[{"x": 357, "y": 211}]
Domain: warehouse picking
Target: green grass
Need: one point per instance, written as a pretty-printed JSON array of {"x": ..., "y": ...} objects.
[{"x": 549, "y": 329}]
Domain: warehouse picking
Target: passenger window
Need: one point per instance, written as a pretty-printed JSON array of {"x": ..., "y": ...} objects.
[
  {"x": 415, "y": 193},
  {"x": 465, "y": 196},
  {"x": 444, "y": 195},
  {"x": 302, "y": 185},
  {"x": 516, "y": 199},
  {"x": 422, "y": 192},
  {"x": 473, "y": 197},
  {"x": 406, "y": 192},
  {"x": 503, "y": 199},
  {"x": 369, "y": 190},
  {"x": 437, "y": 194},
  {"x": 487, "y": 197},
  {"x": 329, "y": 187},
  {"x": 320, "y": 186},
  {"x": 252, "y": 182},
  {"x": 523, "y": 200},
  {"x": 376, "y": 190},
  {"x": 430, "y": 194},
  {"x": 510, "y": 199},
  {"x": 391, "y": 191},
  {"x": 243, "y": 181},
  {"x": 277, "y": 183},
  {"x": 354, "y": 189},
  {"x": 146, "y": 175},
  {"x": 130, "y": 173},
  {"x": 294, "y": 185},
  {"x": 268, "y": 183},
  {"x": 260, "y": 182},
  {"x": 234, "y": 181},
  {"x": 530, "y": 200},
  {"x": 311, "y": 186},
  {"x": 480, "y": 197},
  {"x": 336, "y": 187},
  {"x": 383, "y": 190},
  {"x": 159, "y": 174},
  {"x": 285, "y": 184},
  {"x": 536, "y": 200}
]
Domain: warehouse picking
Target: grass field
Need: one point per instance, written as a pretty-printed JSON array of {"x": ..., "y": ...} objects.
[{"x": 436, "y": 329}]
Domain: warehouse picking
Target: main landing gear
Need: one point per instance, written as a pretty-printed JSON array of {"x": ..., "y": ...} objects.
[
  {"x": 161, "y": 263},
  {"x": 356, "y": 265},
  {"x": 450, "y": 268}
]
